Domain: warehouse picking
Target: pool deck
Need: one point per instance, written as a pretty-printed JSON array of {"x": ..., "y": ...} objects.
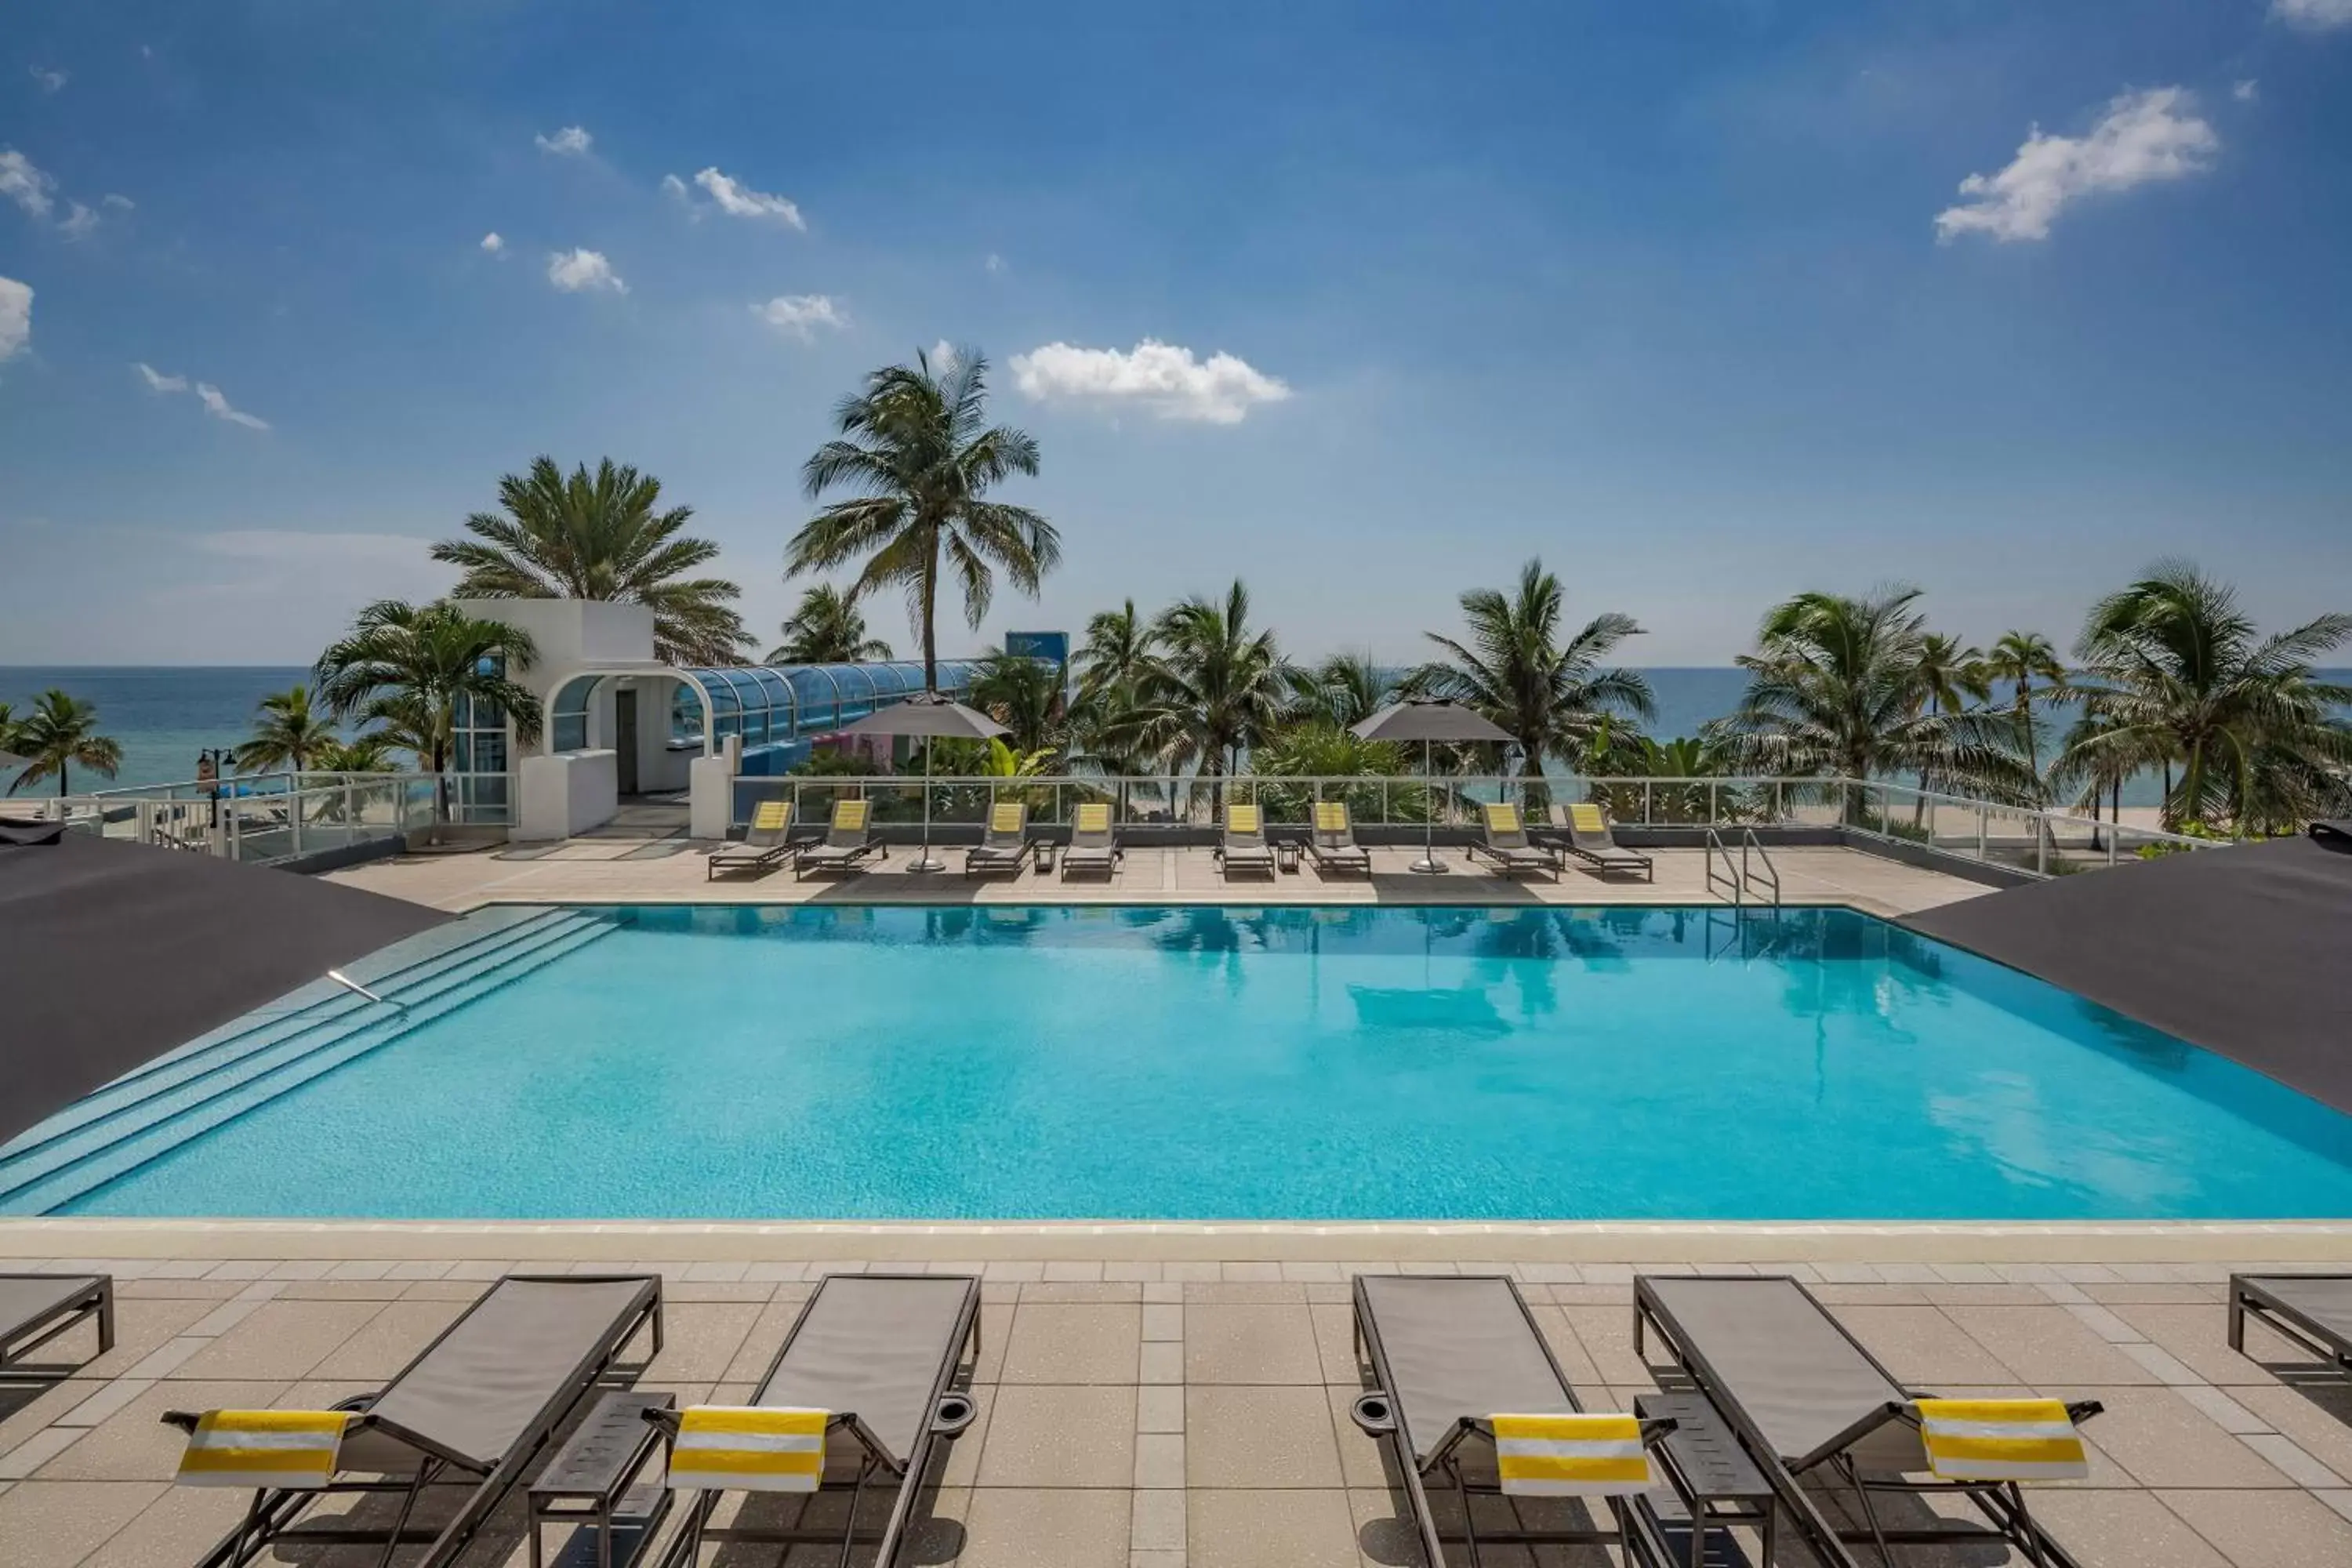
[{"x": 670, "y": 870}]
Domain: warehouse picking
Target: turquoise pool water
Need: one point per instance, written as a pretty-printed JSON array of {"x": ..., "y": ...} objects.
[{"x": 1221, "y": 1064}]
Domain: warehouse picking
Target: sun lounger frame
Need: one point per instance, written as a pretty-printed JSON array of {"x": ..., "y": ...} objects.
[
  {"x": 1106, "y": 853},
  {"x": 825, "y": 854},
  {"x": 1512, "y": 858},
  {"x": 750, "y": 856},
  {"x": 1342, "y": 850},
  {"x": 987, "y": 857},
  {"x": 2251, "y": 1296},
  {"x": 1250, "y": 849},
  {"x": 79, "y": 1298},
  {"x": 1606, "y": 854}
]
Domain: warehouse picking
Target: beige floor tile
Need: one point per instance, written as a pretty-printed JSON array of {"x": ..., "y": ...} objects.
[
  {"x": 172, "y": 1530},
  {"x": 1041, "y": 1528},
  {"x": 2104, "y": 1529},
  {"x": 2198, "y": 1336},
  {"x": 1159, "y": 1407},
  {"x": 2162, "y": 1440},
  {"x": 1059, "y": 1436},
  {"x": 1607, "y": 1335},
  {"x": 1334, "y": 1342},
  {"x": 389, "y": 1341},
  {"x": 1054, "y": 1344},
  {"x": 2266, "y": 1530},
  {"x": 2317, "y": 1416},
  {"x": 69, "y": 1519},
  {"x": 1250, "y": 1344},
  {"x": 1921, "y": 1345},
  {"x": 136, "y": 1445},
  {"x": 1385, "y": 1533},
  {"x": 761, "y": 1340},
  {"x": 1575, "y": 1364},
  {"x": 27, "y": 1410},
  {"x": 140, "y": 1327},
  {"x": 959, "y": 1467},
  {"x": 1270, "y": 1529},
  {"x": 2044, "y": 1346},
  {"x": 1259, "y": 1438},
  {"x": 281, "y": 1340},
  {"x": 1360, "y": 1457},
  {"x": 699, "y": 1341}
]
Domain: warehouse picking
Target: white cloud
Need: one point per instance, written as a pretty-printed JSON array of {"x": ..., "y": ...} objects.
[
  {"x": 734, "y": 198},
  {"x": 24, "y": 183},
  {"x": 2145, "y": 136},
  {"x": 493, "y": 244},
  {"x": 2246, "y": 92},
  {"x": 942, "y": 357},
  {"x": 674, "y": 187},
  {"x": 15, "y": 316},
  {"x": 116, "y": 200},
  {"x": 158, "y": 382},
  {"x": 571, "y": 142},
  {"x": 801, "y": 314},
  {"x": 79, "y": 222},
  {"x": 579, "y": 271},
  {"x": 1158, "y": 376},
  {"x": 217, "y": 407},
  {"x": 50, "y": 80},
  {"x": 2317, "y": 15},
  {"x": 994, "y": 263}
]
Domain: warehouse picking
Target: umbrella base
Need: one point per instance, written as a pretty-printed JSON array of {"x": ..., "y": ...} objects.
[
  {"x": 927, "y": 864},
  {"x": 1429, "y": 866}
]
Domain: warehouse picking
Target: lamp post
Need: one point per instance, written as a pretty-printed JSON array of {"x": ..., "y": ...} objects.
[{"x": 209, "y": 763}]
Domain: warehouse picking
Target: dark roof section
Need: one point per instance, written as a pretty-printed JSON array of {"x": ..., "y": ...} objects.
[
  {"x": 113, "y": 953},
  {"x": 2244, "y": 951}
]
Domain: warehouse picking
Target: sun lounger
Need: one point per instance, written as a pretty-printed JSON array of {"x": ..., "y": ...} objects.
[
  {"x": 1464, "y": 1382},
  {"x": 1243, "y": 842},
  {"x": 848, "y": 839},
  {"x": 35, "y": 1309},
  {"x": 1582, "y": 830},
  {"x": 862, "y": 1388},
  {"x": 2313, "y": 1312},
  {"x": 474, "y": 1409},
  {"x": 1006, "y": 843},
  {"x": 763, "y": 845},
  {"x": 1333, "y": 841},
  {"x": 1803, "y": 1394},
  {"x": 1092, "y": 843},
  {"x": 1507, "y": 843}
]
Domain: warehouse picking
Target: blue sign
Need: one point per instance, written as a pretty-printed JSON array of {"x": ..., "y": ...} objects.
[{"x": 1053, "y": 647}]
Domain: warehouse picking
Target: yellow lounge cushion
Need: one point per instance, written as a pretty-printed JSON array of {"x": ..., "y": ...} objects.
[
  {"x": 2002, "y": 1440},
  {"x": 1243, "y": 819},
  {"x": 292, "y": 1449},
  {"x": 1571, "y": 1456},
  {"x": 748, "y": 1447},
  {"x": 1585, "y": 817},
  {"x": 1502, "y": 818},
  {"x": 1093, "y": 817},
  {"x": 1331, "y": 817},
  {"x": 773, "y": 817},
  {"x": 1006, "y": 818},
  {"x": 849, "y": 816}
]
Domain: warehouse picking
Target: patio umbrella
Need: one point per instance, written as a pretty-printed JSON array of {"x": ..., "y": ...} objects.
[
  {"x": 1429, "y": 721},
  {"x": 930, "y": 716}
]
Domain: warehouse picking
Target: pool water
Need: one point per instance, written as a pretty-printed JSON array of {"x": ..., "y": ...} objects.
[{"x": 1035, "y": 1063}]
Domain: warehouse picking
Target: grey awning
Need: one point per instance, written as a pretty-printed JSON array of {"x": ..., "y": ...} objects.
[
  {"x": 928, "y": 713},
  {"x": 1422, "y": 719}
]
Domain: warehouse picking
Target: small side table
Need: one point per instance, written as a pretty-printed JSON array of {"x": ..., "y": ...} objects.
[
  {"x": 594, "y": 1477},
  {"x": 1708, "y": 1471},
  {"x": 1045, "y": 857},
  {"x": 1287, "y": 852}
]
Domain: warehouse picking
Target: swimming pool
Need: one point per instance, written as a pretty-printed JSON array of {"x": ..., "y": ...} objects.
[{"x": 1206, "y": 1063}]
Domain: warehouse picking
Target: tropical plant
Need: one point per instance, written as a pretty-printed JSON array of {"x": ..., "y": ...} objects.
[
  {"x": 1345, "y": 689},
  {"x": 1319, "y": 749},
  {"x": 1115, "y": 656},
  {"x": 988, "y": 758},
  {"x": 368, "y": 754},
  {"x": 59, "y": 734},
  {"x": 8, "y": 736},
  {"x": 289, "y": 732},
  {"x": 2030, "y": 666},
  {"x": 828, "y": 627},
  {"x": 830, "y": 763},
  {"x": 1025, "y": 695},
  {"x": 407, "y": 667},
  {"x": 2176, "y": 674},
  {"x": 1667, "y": 770},
  {"x": 1834, "y": 688},
  {"x": 600, "y": 536},
  {"x": 1514, "y": 670},
  {"x": 916, "y": 446},
  {"x": 1216, "y": 688},
  {"x": 1950, "y": 676}
]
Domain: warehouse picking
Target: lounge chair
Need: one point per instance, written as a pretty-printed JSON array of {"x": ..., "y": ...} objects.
[
  {"x": 1243, "y": 842},
  {"x": 849, "y": 839},
  {"x": 1507, "y": 843},
  {"x": 1092, "y": 842},
  {"x": 1333, "y": 841},
  {"x": 763, "y": 844},
  {"x": 1803, "y": 1394},
  {"x": 1582, "y": 830},
  {"x": 1450, "y": 1355},
  {"x": 475, "y": 1409},
  {"x": 37, "y": 1307},
  {"x": 2312, "y": 1312},
  {"x": 868, "y": 1369},
  {"x": 1006, "y": 843}
]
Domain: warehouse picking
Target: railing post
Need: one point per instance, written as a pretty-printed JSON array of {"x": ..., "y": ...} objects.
[
  {"x": 1980, "y": 834},
  {"x": 1649, "y": 813},
  {"x": 293, "y": 822},
  {"x": 2042, "y": 836},
  {"x": 350, "y": 812},
  {"x": 1714, "y": 811}
]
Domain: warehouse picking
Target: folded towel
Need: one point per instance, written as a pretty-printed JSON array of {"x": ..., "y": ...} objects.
[
  {"x": 748, "y": 1447},
  {"x": 1585, "y": 817},
  {"x": 2002, "y": 1440},
  {"x": 292, "y": 1449},
  {"x": 1330, "y": 818},
  {"x": 1005, "y": 818},
  {"x": 1571, "y": 1456}
]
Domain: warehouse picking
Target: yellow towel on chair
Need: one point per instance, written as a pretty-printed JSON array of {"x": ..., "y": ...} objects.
[
  {"x": 2002, "y": 1440},
  {"x": 771, "y": 816},
  {"x": 748, "y": 1448},
  {"x": 1094, "y": 818},
  {"x": 1331, "y": 817},
  {"x": 1005, "y": 818},
  {"x": 1586, "y": 818},
  {"x": 294, "y": 1449},
  {"x": 1571, "y": 1456},
  {"x": 1241, "y": 819},
  {"x": 849, "y": 816},
  {"x": 1502, "y": 819}
]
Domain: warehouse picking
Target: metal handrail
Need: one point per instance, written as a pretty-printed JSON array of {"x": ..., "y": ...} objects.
[
  {"x": 1723, "y": 879},
  {"x": 1748, "y": 840},
  {"x": 348, "y": 983}
]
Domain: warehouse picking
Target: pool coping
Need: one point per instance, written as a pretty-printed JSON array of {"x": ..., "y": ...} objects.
[{"x": 2074, "y": 1241}]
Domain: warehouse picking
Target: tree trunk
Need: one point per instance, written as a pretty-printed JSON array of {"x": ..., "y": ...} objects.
[
  {"x": 61, "y": 778},
  {"x": 930, "y": 616}
]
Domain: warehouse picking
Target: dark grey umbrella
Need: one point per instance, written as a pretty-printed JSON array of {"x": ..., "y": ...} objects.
[
  {"x": 1430, "y": 720},
  {"x": 928, "y": 715}
]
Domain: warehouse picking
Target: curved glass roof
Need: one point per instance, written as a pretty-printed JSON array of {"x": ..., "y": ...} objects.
[{"x": 764, "y": 702}]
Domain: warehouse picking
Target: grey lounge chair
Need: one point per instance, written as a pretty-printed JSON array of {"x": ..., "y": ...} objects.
[
  {"x": 1333, "y": 841},
  {"x": 1006, "y": 843},
  {"x": 1803, "y": 1394},
  {"x": 1507, "y": 843},
  {"x": 2312, "y": 1312},
  {"x": 1582, "y": 830},
  {"x": 35, "y": 1309},
  {"x": 1448, "y": 1352},
  {"x": 474, "y": 1409},
  {"x": 848, "y": 839},
  {"x": 763, "y": 844},
  {"x": 1243, "y": 842},
  {"x": 880, "y": 1355},
  {"x": 1092, "y": 844}
]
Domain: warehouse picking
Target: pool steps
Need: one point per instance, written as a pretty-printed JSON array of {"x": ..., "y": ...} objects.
[{"x": 254, "y": 1059}]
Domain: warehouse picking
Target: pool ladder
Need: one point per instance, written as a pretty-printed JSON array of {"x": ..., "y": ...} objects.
[{"x": 1737, "y": 881}]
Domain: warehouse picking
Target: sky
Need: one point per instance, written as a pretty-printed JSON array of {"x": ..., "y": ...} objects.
[{"x": 1703, "y": 302}]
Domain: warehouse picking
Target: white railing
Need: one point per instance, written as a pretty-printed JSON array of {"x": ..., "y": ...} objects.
[{"x": 273, "y": 817}]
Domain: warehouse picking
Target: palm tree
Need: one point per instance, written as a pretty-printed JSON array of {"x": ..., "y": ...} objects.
[
  {"x": 2030, "y": 666},
  {"x": 1670, "y": 765},
  {"x": 2177, "y": 674},
  {"x": 1515, "y": 671},
  {"x": 8, "y": 736},
  {"x": 1023, "y": 694},
  {"x": 1834, "y": 688},
  {"x": 916, "y": 446},
  {"x": 1950, "y": 676},
  {"x": 289, "y": 732},
  {"x": 1117, "y": 653},
  {"x": 59, "y": 733},
  {"x": 828, "y": 627},
  {"x": 600, "y": 536},
  {"x": 368, "y": 754},
  {"x": 1216, "y": 688},
  {"x": 408, "y": 665},
  {"x": 1345, "y": 689}
]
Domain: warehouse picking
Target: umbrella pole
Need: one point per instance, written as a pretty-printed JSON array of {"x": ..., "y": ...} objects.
[
  {"x": 1428, "y": 863},
  {"x": 926, "y": 863}
]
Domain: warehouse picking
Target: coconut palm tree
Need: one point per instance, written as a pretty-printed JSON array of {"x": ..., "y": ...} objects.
[
  {"x": 1025, "y": 695},
  {"x": 1950, "y": 676},
  {"x": 289, "y": 732},
  {"x": 368, "y": 754},
  {"x": 1344, "y": 689},
  {"x": 2177, "y": 674},
  {"x": 60, "y": 733},
  {"x": 600, "y": 536},
  {"x": 1513, "y": 669},
  {"x": 1216, "y": 688},
  {"x": 2030, "y": 666},
  {"x": 916, "y": 447},
  {"x": 1116, "y": 655},
  {"x": 828, "y": 627},
  {"x": 408, "y": 665}
]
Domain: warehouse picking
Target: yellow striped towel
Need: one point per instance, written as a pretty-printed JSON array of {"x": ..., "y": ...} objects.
[
  {"x": 1242, "y": 819},
  {"x": 849, "y": 816},
  {"x": 1094, "y": 818},
  {"x": 1005, "y": 818},
  {"x": 771, "y": 816},
  {"x": 1502, "y": 819},
  {"x": 2002, "y": 1440},
  {"x": 748, "y": 1448},
  {"x": 1331, "y": 817},
  {"x": 1571, "y": 1456},
  {"x": 294, "y": 1449},
  {"x": 1586, "y": 818}
]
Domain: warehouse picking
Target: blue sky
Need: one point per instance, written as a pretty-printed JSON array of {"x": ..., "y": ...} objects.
[{"x": 1659, "y": 292}]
